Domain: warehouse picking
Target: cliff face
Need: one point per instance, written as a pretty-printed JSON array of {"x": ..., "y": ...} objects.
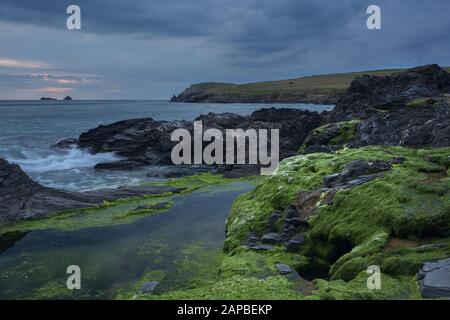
[{"x": 198, "y": 96}]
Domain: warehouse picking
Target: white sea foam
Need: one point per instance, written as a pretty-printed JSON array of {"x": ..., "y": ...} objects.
[{"x": 34, "y": 162}]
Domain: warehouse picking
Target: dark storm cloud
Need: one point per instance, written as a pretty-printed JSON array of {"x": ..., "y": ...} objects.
[
  {"x": 171, "y": 43},
  {"x": 248, "y": 28}
]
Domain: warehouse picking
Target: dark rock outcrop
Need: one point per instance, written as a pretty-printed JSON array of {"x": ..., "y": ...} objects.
[
  {"x": 68, "y": 98},
  {"x": 65, "y": 143},
  {"x": 148, "y": 142},
  {"x": 23, "y": 198},
  {"x": 368, "y": 93},
  {"x": 434, "y": 279},
  {"x": 410, "y": 109}
]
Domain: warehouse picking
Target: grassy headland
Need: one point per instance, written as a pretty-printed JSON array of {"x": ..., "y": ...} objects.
[{"x": 325, "y": 89}]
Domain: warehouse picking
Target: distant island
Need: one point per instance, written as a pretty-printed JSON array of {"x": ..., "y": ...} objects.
[
  {"x": 68, "y": 98},
  {"x": 320, "y": 89}
]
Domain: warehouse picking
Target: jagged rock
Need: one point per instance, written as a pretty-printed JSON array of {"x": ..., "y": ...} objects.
[
  {"x": 288, "y": 232},
  {"x": 291, "y": 212},
  {"x": 271, "y": 238},
  {"x": 252, "y": 240},
  {"x": 434, "y": 279},
  {"x": 23, "y": 198},
  {"x": 410, "y": 108},
  {"x": 65, "y": 144},
  {"x": 148, "y": 287},
  {"x": 148, "y": 142},
  {"x": 366, "y": 94}
]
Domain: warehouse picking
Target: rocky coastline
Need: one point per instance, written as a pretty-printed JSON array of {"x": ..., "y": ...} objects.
[{"x": 365, "y": 184}]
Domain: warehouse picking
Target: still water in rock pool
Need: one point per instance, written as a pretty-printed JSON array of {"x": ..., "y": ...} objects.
[{"x": 169, "y": 246}]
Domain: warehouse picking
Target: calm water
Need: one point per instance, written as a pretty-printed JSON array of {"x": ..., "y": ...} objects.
[
  {"x": 112, "y": 257},
  {"x": 28, "y": 128}
]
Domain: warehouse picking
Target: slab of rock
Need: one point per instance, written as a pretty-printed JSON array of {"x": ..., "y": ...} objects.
[
  {"x": 148, "y": 287},
  {"x": 434, "y": 279},
  {"x": 284, "y": 268},
  {"x": 271, "y": 238},
  {"x": 263, "y": 247}
]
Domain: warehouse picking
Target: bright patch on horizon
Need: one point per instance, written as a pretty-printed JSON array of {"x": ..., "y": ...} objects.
[
  {"x": 54, "y": 90},
  {"x": 13, "y": 63}
]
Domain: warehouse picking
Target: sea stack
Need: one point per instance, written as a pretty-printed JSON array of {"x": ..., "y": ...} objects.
[{"x": 68, "y": 98}]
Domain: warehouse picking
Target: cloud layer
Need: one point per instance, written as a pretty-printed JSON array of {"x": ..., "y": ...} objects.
[{"x": 152, "y": 49}]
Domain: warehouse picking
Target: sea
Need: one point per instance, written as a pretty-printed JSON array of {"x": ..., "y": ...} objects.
[{"x": 28, "y": 129}]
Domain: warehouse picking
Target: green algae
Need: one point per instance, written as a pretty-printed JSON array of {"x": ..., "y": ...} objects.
[
  {"x": 111, "y": 213},
  {"x": 238, "y": 287},
  {"x": 402, "y": 287},
  {"x": 346, "y": 132},
  {"x": 125, "y": 210},
  {"x": 420, "y": 102},
  {"x": 202, "y": 273},
  {"x": 410, "y": 201}
]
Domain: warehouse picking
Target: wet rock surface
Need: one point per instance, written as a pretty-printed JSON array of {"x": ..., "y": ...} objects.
[
  {"x": 284, "y": 268},
  {"x": 23, "y": 198},
  {"x": 358, "y": 172},
  {"x": 434, "y": 279},
  {"x": 143, "y": 142}
]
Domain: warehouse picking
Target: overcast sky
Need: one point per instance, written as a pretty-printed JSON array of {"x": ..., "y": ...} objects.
[{"x": 155, "y": 48}]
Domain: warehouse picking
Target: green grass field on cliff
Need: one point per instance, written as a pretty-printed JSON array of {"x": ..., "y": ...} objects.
[{"x": 328, "y": 83}]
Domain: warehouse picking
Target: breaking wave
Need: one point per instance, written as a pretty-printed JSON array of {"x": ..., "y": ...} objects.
[{"x": 36, "y": 162}]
